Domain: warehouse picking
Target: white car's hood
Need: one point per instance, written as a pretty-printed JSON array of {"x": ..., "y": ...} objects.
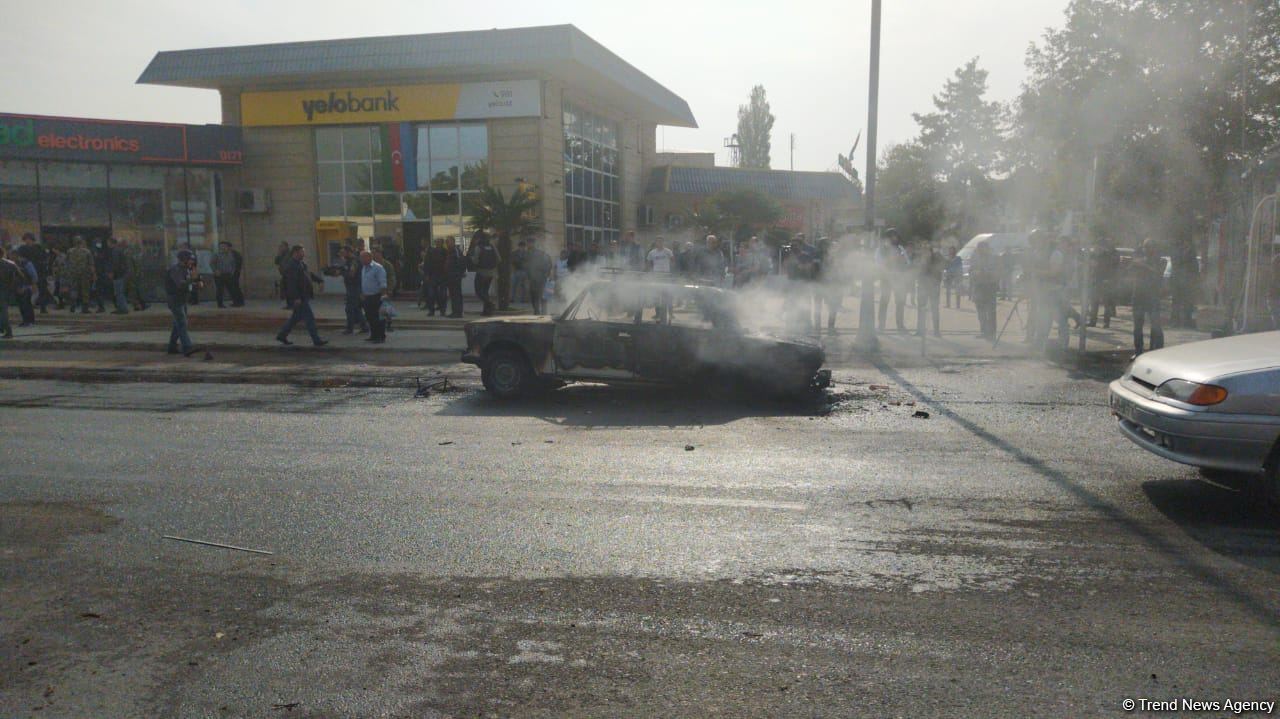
[{"x": 1210, "y": 359}]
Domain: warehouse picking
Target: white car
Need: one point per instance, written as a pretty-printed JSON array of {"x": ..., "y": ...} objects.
[{"x": 1212, "y": 404}]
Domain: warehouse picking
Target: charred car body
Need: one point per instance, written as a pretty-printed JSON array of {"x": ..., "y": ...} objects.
[{"x": 641, "y": 331}]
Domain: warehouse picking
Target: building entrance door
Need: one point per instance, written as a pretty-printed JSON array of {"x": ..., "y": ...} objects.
[{"x": 417, "y": 238}]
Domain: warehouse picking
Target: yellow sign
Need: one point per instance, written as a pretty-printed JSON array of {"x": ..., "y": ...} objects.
[{"x": 391, "y": 103}]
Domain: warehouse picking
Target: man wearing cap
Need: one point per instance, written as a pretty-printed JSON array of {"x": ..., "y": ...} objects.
[{"x": 179, "y": 281}]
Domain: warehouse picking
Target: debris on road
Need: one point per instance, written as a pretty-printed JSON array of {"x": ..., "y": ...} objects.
[
  {"x": 921, "y": 414},
  {"x": 688, "y": 448},
  {"x": 217, "y": 544},
  {"x": 208, "y": 356},
  {"x": 287, "y": 707},
  {"x": 90, "y": 615},
  {"x": 879, "y": 387},
  {"x": 448, "y": 441},
  {"x": 437, "y": 385}
]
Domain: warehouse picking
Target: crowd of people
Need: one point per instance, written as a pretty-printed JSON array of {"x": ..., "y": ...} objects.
[
  {"x": 1046, "y": 279},
  {"x": 813, "y": 276}
]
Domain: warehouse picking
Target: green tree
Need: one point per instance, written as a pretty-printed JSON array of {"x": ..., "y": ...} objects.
[
  {"x": 1175, "y": 98},
  {"x": 746, "y": 211},
  {"x": 707, "y": 217},
  {"x": 755, "y": 124},
  {"x": 505, "y": 217},
  {"x": 910, "y": 195},
  {"x": 963, "y": 140}
]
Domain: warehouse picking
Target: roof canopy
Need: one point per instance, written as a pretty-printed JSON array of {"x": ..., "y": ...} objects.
[
  {"x": 780, "y": 184},
  {"x": 562, "y": 51}
]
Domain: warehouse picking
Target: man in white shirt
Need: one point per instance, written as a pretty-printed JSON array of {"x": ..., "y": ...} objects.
[
  {"x": 660, "y": 257},
  {"x": 373, "y": 286}
]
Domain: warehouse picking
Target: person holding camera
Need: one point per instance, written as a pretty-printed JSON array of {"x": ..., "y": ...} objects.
[
  {"x": 298, "y": 293},
  {"x": 180, "y": 281},
  {"x": 348, "y": 268}
]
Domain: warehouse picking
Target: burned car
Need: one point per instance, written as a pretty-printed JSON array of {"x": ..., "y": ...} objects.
[{"x": 640, "y": 331}]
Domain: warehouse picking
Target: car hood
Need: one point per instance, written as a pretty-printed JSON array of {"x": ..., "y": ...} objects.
[
  {"x": 512, "y": 320},
  {"x": 1210, "y": 359},
  {"x": 797, "y": 340}
]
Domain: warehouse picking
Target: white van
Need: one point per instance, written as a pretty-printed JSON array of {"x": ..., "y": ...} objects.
[{"x": 997, "y": 241}]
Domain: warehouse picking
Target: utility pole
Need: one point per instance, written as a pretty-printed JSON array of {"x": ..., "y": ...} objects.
[
  {"x": 793, "y": 152},
  {"x": 866, "y": 339}
]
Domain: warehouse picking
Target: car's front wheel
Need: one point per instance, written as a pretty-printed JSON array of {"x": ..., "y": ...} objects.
[
  {"x": 1266, "y": 489},
  {"x": 506, "y": 374}
]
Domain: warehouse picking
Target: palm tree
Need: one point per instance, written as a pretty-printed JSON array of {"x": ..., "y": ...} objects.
[{"x": 505, "y": 217}]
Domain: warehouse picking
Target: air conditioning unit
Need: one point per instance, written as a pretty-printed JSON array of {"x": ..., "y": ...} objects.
[
  {"x": 644, "y": 215},
  {"x": 253, "y": 200}
]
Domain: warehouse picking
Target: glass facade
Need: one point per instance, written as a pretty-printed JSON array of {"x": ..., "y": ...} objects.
[
  {"x": 157, "y": 207},
  {"x": 362, "y": 178},
  {"x": 592, "y": 179}
]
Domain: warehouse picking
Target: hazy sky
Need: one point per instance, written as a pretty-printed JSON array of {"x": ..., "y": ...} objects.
[{"x": 81, "y": 57}]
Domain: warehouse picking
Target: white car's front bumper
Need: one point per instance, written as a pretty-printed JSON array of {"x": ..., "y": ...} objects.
[{"x": 1238, "y": 443}]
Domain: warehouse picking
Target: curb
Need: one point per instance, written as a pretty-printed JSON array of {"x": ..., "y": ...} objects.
[
  {"x": 157, "y": 348},
  {"x": 182, "y": 376}
]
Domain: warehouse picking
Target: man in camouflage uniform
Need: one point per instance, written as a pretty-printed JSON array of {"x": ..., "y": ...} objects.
[
  {"x": 80, "y": 274},
  {"x": 133, "y": 282}
]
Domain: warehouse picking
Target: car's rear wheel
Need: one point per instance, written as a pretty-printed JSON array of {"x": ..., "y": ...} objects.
[{"x": 506, "y": 374}]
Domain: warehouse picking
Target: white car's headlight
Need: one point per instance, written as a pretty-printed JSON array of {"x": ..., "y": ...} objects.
[{"x": 1195, "y": 393}]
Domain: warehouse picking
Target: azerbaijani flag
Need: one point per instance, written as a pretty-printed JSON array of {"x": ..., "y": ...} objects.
[{"x": 398, "y": 162}]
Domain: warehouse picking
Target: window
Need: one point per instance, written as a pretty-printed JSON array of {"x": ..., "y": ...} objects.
[
  {"x": 19, "y": 208},
  {"x": 448, "y": 165},
  {"x": 591, "y": 178}
]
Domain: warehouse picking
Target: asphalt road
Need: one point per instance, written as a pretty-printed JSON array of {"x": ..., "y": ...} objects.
[{"x": 607, "y": 552}]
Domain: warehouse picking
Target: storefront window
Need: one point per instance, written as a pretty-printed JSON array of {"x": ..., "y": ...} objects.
[
  {"x": 74, "y": 195},
  {"x": 591, "y": 178},
  {"x": 445, "y": 166},
  {"x": 19, "y": 205},
  {"x": 203, "y": 225}
]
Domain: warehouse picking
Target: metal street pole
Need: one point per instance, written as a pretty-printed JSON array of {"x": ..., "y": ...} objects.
[{"x": 866, "y": 339}]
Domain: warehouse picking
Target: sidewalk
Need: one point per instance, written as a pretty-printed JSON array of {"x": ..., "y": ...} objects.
[{"x": 107, "y": 347}]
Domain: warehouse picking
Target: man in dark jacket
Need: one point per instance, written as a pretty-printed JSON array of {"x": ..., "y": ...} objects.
[
  {"x": 1103, "y": 262},
  {"x": 117, "y": 274},
  {"x": 484, "y": 259},
  {"x": 298, "y": 293},
  {"x": 34, "y": 251},
  {"x": 455, "y": 270},
  {"x": 1148, "y": 289},
  {"x": 538, "y": 265},
  {"x": 12, "y": 281},
  {"x": 178, "y": 284},
  {"x": 435, "y": 274},
  {"x": 102, "y": 274},
  {"x": 226, "y": 273},
  {"x": 348, "y": 268}
]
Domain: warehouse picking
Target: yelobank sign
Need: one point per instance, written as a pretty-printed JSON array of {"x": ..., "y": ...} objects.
[{"x": 392, "y": 103}]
